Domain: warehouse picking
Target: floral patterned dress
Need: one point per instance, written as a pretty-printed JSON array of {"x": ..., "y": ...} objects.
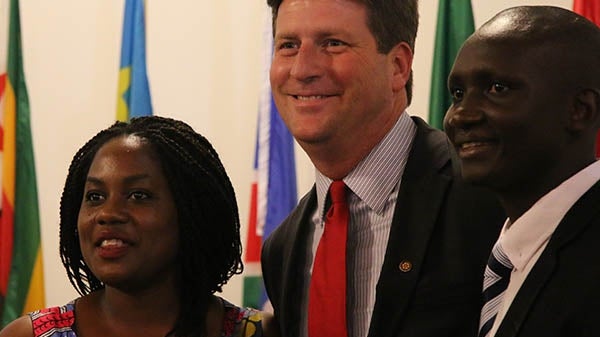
[{"x": 59, "y": 321}]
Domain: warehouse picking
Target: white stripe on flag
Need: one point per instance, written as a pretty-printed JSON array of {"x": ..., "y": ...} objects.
[{"x": 264, "y": 108}]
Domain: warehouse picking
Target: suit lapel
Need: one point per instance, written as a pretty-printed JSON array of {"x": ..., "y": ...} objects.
[
  {"x": 294, "y": 263},
  {"x": 574, "y": 222},
  {"x": 420, "y": 198}
]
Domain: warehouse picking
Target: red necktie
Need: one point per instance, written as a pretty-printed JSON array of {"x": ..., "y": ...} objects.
[{"x": 327, "y": 292}]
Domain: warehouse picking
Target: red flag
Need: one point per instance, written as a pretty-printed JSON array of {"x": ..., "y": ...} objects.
[{"x": 591, "y": 10}]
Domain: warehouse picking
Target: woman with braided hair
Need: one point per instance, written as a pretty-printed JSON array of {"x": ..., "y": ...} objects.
[{"x": 149, "y": 231}]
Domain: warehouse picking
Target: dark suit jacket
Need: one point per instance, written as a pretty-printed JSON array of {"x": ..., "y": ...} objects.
[
  {"x": 561, "y": 294},
  {"x": 443, "y": 227}
]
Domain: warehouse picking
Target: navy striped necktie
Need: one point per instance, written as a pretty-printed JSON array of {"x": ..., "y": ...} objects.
[{"x": 495, "y": 281}]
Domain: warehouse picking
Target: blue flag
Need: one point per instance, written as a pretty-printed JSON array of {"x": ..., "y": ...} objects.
[
  {"x": 134, "y": 92},
  {"x": 274, "y": 192}
]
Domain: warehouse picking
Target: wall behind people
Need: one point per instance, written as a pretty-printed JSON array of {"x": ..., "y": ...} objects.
[{"x": 204, "y": 61}]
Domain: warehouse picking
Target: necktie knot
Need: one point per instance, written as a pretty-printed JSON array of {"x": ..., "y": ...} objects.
[
  {"x": 499, "y": 262},
  {"x": 338, "y": 212},
  {"x": 337, "y": 192}
]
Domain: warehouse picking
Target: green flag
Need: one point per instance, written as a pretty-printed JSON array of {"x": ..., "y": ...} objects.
[{"x": 454, "y": 25}]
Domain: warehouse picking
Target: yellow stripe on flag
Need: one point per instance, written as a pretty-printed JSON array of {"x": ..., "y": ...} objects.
[
  {"x": 124, "y": 82},
  {"x": 35, "y": 295},
  {"x": 9, "y": 159}
]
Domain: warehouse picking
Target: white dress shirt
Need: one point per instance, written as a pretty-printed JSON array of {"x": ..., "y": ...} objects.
[
  {"x": 524, "y": 240},
  {"x": 373, "y": 185}
]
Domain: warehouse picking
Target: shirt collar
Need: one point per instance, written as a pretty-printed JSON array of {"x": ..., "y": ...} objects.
[
  {"x": 529, "y": 233},
  {"x": 376, "y": 175}
]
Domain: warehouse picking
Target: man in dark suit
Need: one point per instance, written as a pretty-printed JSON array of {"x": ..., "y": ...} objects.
[
  {"x": 524, "y": 119},
  {"x": 418, "y": 238}
]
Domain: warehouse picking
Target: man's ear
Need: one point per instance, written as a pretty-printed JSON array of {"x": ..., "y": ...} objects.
[
  {"x": 586, "y": 111},
  {"x": 401, "y": 56}
]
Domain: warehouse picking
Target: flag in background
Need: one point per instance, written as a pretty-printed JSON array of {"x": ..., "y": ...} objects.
[
  {"x": 21, "y": 275},
  {"x": 5, "y": 232},
  {"x": 3, "y": 53},
  {"x": 591, "y": 10},
  {"x": 134, "y": 92},
  {"x": 274, "y": 192},
  {"x": 454, "y": 25}
]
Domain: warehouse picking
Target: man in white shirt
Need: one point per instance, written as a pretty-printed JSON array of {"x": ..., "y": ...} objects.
[{"x": 524, "y": 119}]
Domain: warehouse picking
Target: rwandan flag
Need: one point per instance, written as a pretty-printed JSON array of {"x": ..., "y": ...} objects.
[
  {"x": 134, "y": 92},
  {"x": 274, "y": 189},
  {"x": 591, "y": 10},
  {"x": 21, "y": 274}
]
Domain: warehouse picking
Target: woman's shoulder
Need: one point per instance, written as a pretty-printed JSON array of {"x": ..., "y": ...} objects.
[
  {"x": 52, "y": 320},
  {"x": 57, "y": 319},
  {"x": 246, "y": 322},
  {"x": 242, "y": 322},
  {"x": 20, "y": 327},
  {"x": 42, "y": 321}
]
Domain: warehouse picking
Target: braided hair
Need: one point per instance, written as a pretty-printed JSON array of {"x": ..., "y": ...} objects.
[{"x": 209, "y": 226}]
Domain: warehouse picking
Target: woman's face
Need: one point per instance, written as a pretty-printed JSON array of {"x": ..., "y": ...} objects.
[{"x": 128, "y": 229}]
